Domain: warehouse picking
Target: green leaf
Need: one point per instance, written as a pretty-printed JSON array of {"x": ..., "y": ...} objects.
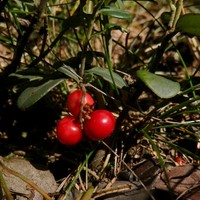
[
  {"x": 189, "y": 24},
  {"x": 115, "y": 12},
  {"x": 165, "y": 18},
  {"x": 110, "y": 26},
  {"x": 32, "y": 94},
  {"x": 161, "y": 86},
  {"x": 29, "y": 77},
  {"x": 67, "y": 70},
  {"x": 105, "y": 74},
  {"x": 31, "y": 74}
]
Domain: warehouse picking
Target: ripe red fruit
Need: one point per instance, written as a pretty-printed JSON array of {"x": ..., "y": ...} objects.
[
  {"x": 74, "y": 102},
  {"x": 69, "y": 131},
  {"x": 100, "y": 125},
  {"x": 180, "y": 161}
]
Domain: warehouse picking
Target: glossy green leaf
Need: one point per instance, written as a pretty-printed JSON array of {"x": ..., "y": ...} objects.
[
  {"x": 189, "y": 24},
  {"x": 115, "y": 12},
  {"x": 161, "y": 86},
  {"x": 105, "y": 74},
  {"x": 32, "y": 94}
]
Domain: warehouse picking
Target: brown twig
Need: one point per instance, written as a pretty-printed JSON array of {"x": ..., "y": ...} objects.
[{"x": 135, "y": 175}]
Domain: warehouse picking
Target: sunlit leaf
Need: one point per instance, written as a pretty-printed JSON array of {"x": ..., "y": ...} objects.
[
  {"x": 32, "y": 94},
  {"x": 105, "y": 74},
  {"x": 161, "y": 86},
  {"x": 189, "y": 24}
]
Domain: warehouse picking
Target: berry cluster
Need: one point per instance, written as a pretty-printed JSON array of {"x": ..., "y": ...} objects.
[{"x": 97, "y": 124}]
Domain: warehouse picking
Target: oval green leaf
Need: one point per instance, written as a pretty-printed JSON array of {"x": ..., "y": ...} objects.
[
  {"x": 32, "y": 94},
  {"x": 115, "y": 12},
  {"x": 105, "y": 74},
  {"x": 161, "y": 86},
  {"x": 189, "y": 24}
]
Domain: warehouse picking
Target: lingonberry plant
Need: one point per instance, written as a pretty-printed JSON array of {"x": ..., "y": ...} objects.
[{"x": 124, "y": 51}]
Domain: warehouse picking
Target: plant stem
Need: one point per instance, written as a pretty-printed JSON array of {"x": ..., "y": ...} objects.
[
  {"x": 5, "y": 188},
  {"x": 78, "y": 173},
  {"x": 176, "y": 12},
  {"x": 187, "y": 72},
  {"x": 107, "y": 43}
]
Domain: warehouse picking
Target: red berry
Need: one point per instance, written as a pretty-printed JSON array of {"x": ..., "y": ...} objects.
[
  {"x": 100, "y": 125},
  {"x": 74, "y": 102},
  {"x": 180, "y": 161},
  {"x": 69, "y": 131}
]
